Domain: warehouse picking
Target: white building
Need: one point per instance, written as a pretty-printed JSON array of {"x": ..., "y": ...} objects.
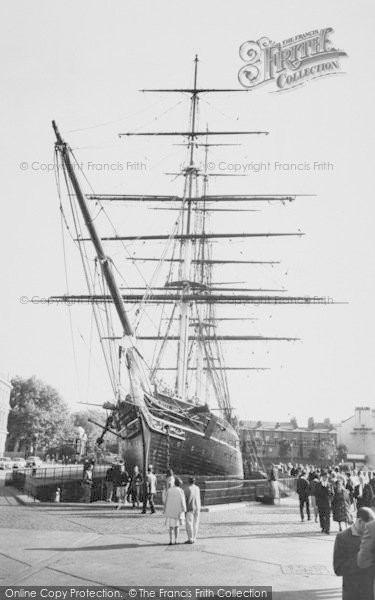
[
  {"x": 358, "y": 435},
  {"x": 5, "y": 388}
]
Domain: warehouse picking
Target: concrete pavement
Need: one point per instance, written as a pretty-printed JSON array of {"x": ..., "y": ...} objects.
[{"x": 252, "y": 544}]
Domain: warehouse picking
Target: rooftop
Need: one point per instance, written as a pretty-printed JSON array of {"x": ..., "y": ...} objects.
[{"x": 282, "y": 426}]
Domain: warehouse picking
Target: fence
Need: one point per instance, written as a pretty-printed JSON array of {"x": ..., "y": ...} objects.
[{"x": 43, "y": 483}]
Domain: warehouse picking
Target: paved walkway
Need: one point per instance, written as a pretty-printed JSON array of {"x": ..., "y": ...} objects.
[{"x": 96, "y": 545}]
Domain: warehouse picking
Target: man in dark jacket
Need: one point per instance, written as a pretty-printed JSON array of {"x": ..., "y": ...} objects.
[
  {"x": 367, "y": 498},
  {"x": 134, "y": 489},
  {"x": 120, "y": 478},
  {"x": 109, "y": 483},
  {"x": 303, "y": 495},
  {"x": 357, "y": 583},
  {"x": 324, "y": 495}
]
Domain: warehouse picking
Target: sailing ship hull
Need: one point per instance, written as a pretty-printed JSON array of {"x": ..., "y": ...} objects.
[
  {"x": 195, "y": 455},
  {"x": 165, "y": 443}
]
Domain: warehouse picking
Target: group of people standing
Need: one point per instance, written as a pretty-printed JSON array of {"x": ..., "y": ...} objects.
[
  {"x": 180, "y": 505},
  {"x": 350, "y": 497},
  {"x": 335, "y": 492},
  {"x": 125, "y": 488}
]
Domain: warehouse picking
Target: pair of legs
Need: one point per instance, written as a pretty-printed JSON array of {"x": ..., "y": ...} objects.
[
  {"x": 175, "y": 530},
  {"x": 109, "y": 491},
  {"x": 304, "y": 500},
  {"x": 314, "y": 507},
  {"x": 121, "y": 496},
  {"x": 150, "y": 499},
  {"x": 192, "y": 525},
  {"x": 134, "y": 495},
  {"x": 325, "y": 519},
  {"x": 345, "y": 524}
]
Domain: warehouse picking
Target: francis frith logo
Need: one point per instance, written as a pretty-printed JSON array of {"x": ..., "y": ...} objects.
[{"x": 289, "y": 63}]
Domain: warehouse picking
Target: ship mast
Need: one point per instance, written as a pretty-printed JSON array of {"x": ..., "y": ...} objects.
[
  {"x": 105, "y": 262},
  {"x": 190, "y": 173}
]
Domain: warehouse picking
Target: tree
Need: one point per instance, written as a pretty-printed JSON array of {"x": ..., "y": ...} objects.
[
  {"x": 323, "y": 453},
  {"x": 38, "y": 416},
  {"x": 310, "y": 423},
  {"x": 342, "y": 452}
]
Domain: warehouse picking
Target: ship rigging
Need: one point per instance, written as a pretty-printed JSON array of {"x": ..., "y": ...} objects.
[{"x": 173, "y": 427}]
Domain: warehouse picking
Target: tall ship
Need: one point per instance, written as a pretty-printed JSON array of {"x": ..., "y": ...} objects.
[{"x": 187, "y": 424}]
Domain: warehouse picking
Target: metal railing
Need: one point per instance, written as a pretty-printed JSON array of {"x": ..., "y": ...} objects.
[{"x": 43, "y": 484}]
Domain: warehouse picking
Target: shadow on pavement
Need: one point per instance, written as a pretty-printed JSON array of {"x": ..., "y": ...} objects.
[{"x": 103, "y": 547}]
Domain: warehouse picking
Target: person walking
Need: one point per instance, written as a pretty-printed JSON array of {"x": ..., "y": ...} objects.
[
  {"x": 109, "y": 483},
  {"x": 357, "y": 583},
  {"x": 87, "y": 483},
  {"x": 174, "y": 509},
  {"x": 314, "y": 480},
  {"x": 324, "y": 495},
  {"x": 340, "y": 475},
  {"x": 149, "y": 491},
  {"x": 367, "y": 498},
  {"x": 193, "y": 509},
  {"x": 303, "y": 495},
  {"x": 350, "y": 488},
  {"x": 134, "y": 489},
  {"x": 120, "y": 481},
  {"x": 341, "y": 505}
]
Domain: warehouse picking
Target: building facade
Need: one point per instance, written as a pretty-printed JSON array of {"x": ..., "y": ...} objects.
[
  {"x": 5, "y": 387},
  {"x": 358, "y": 435},
  {"x": 270, "y": 442}
]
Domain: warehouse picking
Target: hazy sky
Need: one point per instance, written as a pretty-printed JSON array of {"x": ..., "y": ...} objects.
[{"x": 82, "y": 63}]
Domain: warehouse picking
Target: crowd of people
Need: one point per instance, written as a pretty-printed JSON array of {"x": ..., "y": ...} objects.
[
  {"x": 332, "y": 491},
  {"x": 349, "y": 496}
]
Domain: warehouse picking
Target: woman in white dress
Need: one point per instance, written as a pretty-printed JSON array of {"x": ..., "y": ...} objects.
[
  {"x": 174, "y": 509},
  {"x": 169, "y": 482}
]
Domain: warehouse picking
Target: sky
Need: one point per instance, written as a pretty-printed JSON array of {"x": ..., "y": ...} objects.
[{"x": 83, "y": 64}]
